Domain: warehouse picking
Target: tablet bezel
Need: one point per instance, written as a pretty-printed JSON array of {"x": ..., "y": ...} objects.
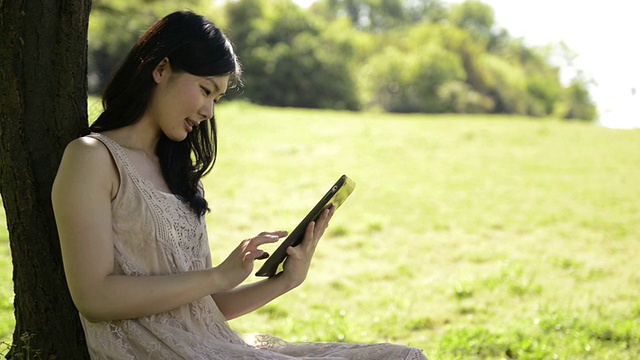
[{"x": 336, "y": 195}]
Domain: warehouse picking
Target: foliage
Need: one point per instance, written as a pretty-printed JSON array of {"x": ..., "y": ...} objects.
[
  {"x": 25, "y": 352},
  {"x": 508, "y": 84},
  {"x": 475, "y": 17},
  {"x": 578, "y": 103},
  {"x": 393, "y": 55},
  {"x": 114, "y": 27},
  {"x": 287, "y": 59},
  {"x": 411, "y": 82},
  {"x": 381, "y": 15},
  {"x": 459, "y": 97}
]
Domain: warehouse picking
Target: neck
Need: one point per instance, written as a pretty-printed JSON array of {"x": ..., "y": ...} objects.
[{"x": 139, "y": 136}]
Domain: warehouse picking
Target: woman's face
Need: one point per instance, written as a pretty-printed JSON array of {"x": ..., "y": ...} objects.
[{"x": 181, "y": 101}]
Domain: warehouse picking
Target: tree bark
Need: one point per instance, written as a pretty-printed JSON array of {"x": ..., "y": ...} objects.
[{"x": 43, "y": 106}]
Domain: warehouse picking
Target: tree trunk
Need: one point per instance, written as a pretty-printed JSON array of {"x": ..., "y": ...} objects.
[{"x": 43, "y": 97}]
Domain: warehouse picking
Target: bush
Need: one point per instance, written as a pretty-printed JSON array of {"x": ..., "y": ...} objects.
[
  {"x": 459, "y": 97},
  {"x": 408, "y": 82},
  {"x": 286, "y": 59}
]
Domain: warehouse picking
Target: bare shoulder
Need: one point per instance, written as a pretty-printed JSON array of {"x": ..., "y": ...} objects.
[
  {"x": 88, "y": 147},
  {"x": 87, "y": 162},
  {"x": 89, "y": 154}
]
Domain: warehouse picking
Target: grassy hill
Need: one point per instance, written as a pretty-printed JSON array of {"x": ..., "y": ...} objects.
[{"x": 467, "y": 236}]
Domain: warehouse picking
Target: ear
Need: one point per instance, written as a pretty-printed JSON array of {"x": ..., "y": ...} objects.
[{"x": 162, "y": 71}]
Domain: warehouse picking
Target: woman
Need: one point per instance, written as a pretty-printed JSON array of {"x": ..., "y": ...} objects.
[{"x": 130, "y": 212}]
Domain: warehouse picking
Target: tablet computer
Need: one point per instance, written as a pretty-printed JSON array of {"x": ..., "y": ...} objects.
[{"x": 336, "y": 195}]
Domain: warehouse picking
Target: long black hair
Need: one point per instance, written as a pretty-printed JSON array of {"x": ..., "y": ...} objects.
[{"x": 194, "y": 45}]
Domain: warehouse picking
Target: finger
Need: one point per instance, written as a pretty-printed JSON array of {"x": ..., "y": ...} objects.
[
  {"x": 329, "y": 217},
  {"x": 252, "y": 255},
  {"x": 310, "y": 229},
  {"x": 332, "y": 211},
  {"x": 263, "y": 239},
  {"x": 310, "y": 240},
  {"x": 323, "y": 221},
  {"x": 296, "y": 252},
  {"x": 293, "y": 252},
  {"x": 328, "y": 213},
  {"x": 279, "y": 234}
]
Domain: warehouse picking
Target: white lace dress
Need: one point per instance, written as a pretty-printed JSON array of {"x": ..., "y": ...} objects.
[{"x": 156, "y": 233}]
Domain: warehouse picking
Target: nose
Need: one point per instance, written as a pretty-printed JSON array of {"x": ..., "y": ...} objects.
[{"x": 206, "y": 111}]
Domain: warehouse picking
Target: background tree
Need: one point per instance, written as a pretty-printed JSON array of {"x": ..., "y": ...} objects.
[
  {"x": 334, "y": 55},
  {"x": 116, "y": 25},
  {"x": 474, "y": 16},
  {"x": 288, "y": 60},
  {"x": 577, "y": 102},
  {"x": 43, "y": 89},
  {"x": 412, "y": 79},
  {"x": 381, "y": 15}
]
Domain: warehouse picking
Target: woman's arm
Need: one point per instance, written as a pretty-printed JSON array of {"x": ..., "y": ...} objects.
[
  {"x": 86, "y": 182},
  {"x": 247, "y": 298}
]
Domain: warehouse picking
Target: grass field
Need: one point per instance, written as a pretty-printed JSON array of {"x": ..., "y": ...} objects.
[{"x": 467, "y": 236}]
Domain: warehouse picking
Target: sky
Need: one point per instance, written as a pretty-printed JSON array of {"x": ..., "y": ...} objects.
[{"x": 602, "y": 34}]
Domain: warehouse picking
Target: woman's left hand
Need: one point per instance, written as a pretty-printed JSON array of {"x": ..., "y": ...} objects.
[{"x": 297, "y": 264}]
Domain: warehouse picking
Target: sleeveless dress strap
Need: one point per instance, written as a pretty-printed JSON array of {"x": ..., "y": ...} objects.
[{"x": 120, "y": 158}]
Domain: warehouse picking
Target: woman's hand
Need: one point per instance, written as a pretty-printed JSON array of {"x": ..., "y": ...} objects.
[
  {"x": 298, "y": 261},
  {"x": 247, "y": 298},
  {"x": 239, "y": 264}
]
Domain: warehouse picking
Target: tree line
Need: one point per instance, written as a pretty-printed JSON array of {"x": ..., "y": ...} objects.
[{"x": 407, "y": 56}]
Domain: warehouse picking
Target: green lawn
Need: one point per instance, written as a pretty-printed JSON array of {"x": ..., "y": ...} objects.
[{"x": 467, "y": 236}]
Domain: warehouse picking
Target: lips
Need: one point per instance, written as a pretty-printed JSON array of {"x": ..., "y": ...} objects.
[{"x": 189, "y": 125}]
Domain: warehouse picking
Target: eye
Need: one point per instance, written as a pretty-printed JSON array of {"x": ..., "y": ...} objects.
[
  {"x": 205, "y": 91},
  {"x": 217, "y": 100}
]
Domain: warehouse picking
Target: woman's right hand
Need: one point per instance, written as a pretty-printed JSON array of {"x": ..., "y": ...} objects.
[{"x": 239, "y": 264}]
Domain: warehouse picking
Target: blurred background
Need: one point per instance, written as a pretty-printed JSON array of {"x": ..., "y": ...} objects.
[
  {"x": 546, "y": 58},
  {"x": 599, "y": 36}
]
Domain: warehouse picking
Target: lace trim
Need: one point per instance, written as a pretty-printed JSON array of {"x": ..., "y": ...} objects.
[{"x": 177, "y": 226}]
